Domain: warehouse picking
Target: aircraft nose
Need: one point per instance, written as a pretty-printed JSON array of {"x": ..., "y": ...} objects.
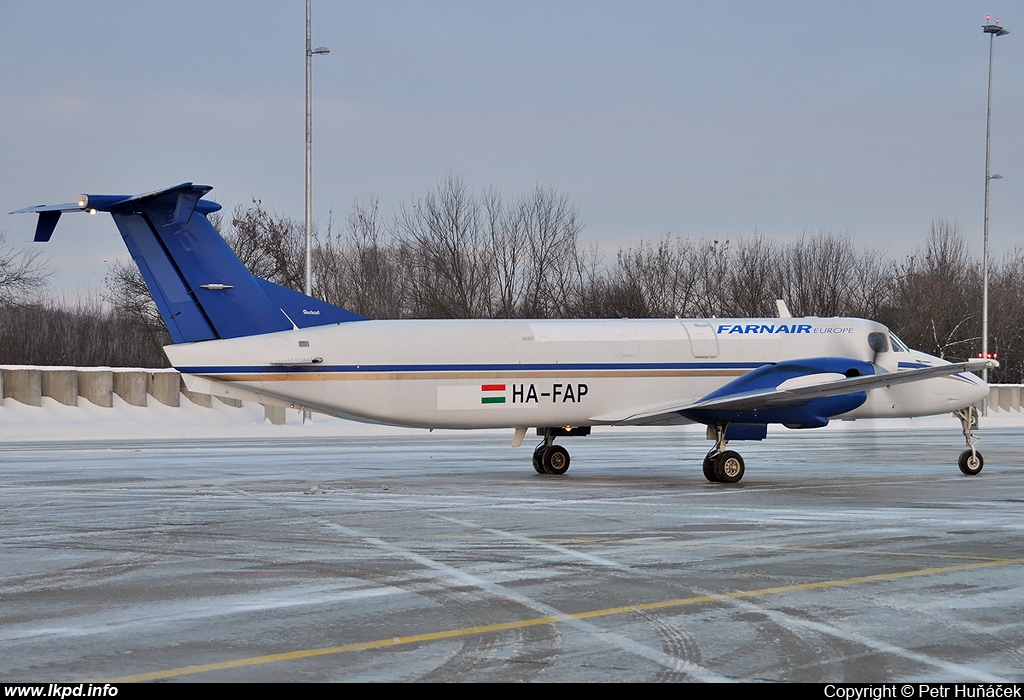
[{"x": 973, "y": 391}]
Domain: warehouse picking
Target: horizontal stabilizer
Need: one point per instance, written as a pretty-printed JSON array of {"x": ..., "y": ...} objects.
[{"x": 49, "y": 215}]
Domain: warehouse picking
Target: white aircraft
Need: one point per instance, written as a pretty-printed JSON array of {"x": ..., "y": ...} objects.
[{"x": 240, "y": 336}]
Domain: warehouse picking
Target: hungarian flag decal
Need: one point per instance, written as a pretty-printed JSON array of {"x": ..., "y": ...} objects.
[{"x": 492, "y": 393}]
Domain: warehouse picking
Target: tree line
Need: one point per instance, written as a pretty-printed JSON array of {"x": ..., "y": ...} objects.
[{"x": 453, "y": 253}]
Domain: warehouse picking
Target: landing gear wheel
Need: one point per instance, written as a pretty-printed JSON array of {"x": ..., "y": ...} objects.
[
  {"x": 538, "y": 460},
  {"x": 729, "y": 467},
  {"x": 971, "y": 462},
  {"x": 555, "y": 460},
  {"x": 709, "y": 467}
]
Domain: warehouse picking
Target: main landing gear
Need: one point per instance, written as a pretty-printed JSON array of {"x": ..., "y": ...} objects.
[
  {"x": 720, "y": 464},
  {"x": 971, "y": 460},
  {"x": 550, "y": 458}
]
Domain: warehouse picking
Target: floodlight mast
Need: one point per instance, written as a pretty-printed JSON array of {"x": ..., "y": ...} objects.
[
  {"x": 993, "y": 29},
  {"x": 320, "y": 50},
  {"x": 310, "y": 52}
]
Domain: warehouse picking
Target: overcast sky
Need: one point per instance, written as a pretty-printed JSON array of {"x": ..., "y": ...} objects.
[{"x": 695, "y": 118}]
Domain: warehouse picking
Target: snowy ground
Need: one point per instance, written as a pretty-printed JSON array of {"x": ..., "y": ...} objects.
[{"x": 54, "y": 421}]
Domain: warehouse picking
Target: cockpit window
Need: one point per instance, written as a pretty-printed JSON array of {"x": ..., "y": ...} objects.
[
  {"x": 897, "y": 344},
  {"x": 879, "y": 342}
]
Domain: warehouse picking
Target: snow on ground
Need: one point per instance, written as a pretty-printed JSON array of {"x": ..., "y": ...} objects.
[{"x": 54, "y": 421}]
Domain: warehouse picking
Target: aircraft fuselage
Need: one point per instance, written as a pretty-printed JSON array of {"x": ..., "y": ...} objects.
[{"x": 511, "y": 373}]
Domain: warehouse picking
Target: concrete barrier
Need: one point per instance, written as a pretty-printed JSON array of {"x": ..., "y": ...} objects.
[
  {"x": 1004, "y": 397},
  {"x": 97, "y": 387},
  {"x": 131, "y": 386},
  {"x": 22, "y": 385},
  {"x": 165, "y": 387},
  {"x": 28, "y": 385},
  {"x": 204, "y": 400},
  {"x": 274, "y": 414},
  {"x": 60, "y": 385}
]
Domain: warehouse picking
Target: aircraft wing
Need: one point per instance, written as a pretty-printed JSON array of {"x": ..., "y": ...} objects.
[{"x": 790, "y": 393}]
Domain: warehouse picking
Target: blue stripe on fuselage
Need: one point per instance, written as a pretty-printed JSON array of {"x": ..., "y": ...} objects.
[{"x": 545, "y": 367}]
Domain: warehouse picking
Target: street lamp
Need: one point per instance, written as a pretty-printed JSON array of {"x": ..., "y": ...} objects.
[
  {"x": 993, "y": 30},
  {"x": 320, "y": 50}
]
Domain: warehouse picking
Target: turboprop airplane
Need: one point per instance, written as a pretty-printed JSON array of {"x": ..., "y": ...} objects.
[{"x": 240, "y": 336}]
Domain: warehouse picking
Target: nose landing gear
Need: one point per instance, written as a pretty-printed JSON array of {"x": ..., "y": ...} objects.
[{"x": 971, "y": 460}]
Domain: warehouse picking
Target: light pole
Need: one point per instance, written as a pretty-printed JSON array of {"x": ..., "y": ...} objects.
[
  {"x": 993, "y": 30},
  {"x": 309, "y": 151}
]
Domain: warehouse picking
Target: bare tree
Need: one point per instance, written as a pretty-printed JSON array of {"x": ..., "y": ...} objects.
[
  {"x": 272, "y": 247},
  {"x": 818, "y": 275},
  {"x": 712, "y": 261},
  {"x": 80, "y": 332},
  {"x": 449, "y": 252},
  {"x": 591, "y": 283},
  {"x": 938, "y": 295},
  {"x": 363, "y": 269},
  {"x": 506, "y": 230},
  {"x": 1006, "y": 317},
  {"x": 754, "y": 278},
  {"x": 129, "y": 300},
  {"x": 871, "y": 285},
  {"x": 552, "y": 273},
  {"x": 23, "y": 274},
  {"x": 657, "y": 280}
]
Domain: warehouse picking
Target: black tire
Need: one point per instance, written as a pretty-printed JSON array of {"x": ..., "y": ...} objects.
[
  {"x": 556, "y": 460},
  {"x": 971, "y": 462},
  {"x": 538, "y": 460},
  {"x": 729, "y": 467},
  {"x": 709, "y": 467}
]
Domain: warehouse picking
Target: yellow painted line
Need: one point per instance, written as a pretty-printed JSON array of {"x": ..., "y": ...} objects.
[
  {"x": 553, "y": 540},
  {"x": 548, "y": 620},
  {"x": 839, "y": 550},
  {"x": 719, "y": 545}
]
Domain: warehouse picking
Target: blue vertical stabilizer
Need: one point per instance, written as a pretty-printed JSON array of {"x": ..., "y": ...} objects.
[{"x": 201, "y": 288}]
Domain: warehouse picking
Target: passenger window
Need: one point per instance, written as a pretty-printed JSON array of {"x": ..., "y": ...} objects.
[{"x": 879, "y": 342}]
